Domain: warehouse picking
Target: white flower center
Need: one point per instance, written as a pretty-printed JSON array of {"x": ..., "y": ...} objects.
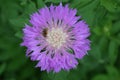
[{"x": 56, "y": 37}]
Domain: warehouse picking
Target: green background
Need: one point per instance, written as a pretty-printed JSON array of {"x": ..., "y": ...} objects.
[{"x": 102, "y": 61}]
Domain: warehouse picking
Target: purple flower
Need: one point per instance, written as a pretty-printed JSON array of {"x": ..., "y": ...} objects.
[{"x": 57, "y": 38}]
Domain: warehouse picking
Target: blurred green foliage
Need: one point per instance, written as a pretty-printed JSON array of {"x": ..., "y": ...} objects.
[{"x": 102, "y": 61}]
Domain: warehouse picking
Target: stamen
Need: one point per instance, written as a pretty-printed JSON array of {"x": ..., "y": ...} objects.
[{"x": 56, "y": 37}]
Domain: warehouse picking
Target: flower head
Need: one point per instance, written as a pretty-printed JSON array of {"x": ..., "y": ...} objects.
[{"x": 57, "y": 38}]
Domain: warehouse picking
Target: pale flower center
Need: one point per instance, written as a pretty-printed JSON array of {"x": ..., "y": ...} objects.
[{"x": 56, "y": 37}]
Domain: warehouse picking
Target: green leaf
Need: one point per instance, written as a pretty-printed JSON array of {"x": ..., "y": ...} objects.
[
  {"x": 64, "y": 75},
  {"x": 100, "y": 77},
  {"x": 56, "y": 1},
  {"x": 97, "y": 30},
  {"x": 110, "y": 5},
  {"x": 87, "y": 11},
  {"x": 16, "y": 63},
  {"x": 6, "y": 56},
  {"x": 23, "y": 2},
  {"x": 113, "y": 52},
  {"x": 27, "y": 72},
  {"x": 116, "y": 27},
  {"x": 9, "y": 51},
  {"x": 57, "y": 76},
  {"x": 2, "y": 68},
  {"x": 9, "y": 9},
  {"x": 103, "y": 45},
  {"x": 95, "y": 52},
  {"x": 79, "y": 3},
  {"x": 18, "y": 23},
  {"x": 77, "y": 73},
  {"x": 45, "y": 76},
  {"x": 112, "y": 73},
  {"x": 30, "y": 8},
  {"x": 107, "y": 27},
  {"x": 40, "y": 3},
  {"x": 19, "y": 34}
]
